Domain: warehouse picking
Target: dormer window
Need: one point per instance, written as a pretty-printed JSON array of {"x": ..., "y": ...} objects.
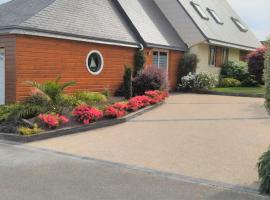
[
  {"x": 239, "y": 25},
  {"x": 199, "y": 10},
  {"x": 215, "y": 16}
]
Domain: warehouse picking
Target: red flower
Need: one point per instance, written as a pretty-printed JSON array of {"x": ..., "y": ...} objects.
[
  {"x": 157, "y": 96},
  {"x": 116, "y": 110},
  {"x": 53, "y": 120},
  {"x": 86, "y": 114}
]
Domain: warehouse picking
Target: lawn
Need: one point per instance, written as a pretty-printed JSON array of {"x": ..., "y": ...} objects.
[{"x": 241, "y": 90}]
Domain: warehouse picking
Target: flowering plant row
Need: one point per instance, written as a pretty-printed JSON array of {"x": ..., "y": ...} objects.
[
  {"x": 53, "y": 120},
  {"x": 121, "y": 109},
  {"x": 86, "y": 114}
]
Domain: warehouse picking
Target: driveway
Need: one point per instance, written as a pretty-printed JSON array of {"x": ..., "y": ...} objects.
[{"x": 211, "y": 138}]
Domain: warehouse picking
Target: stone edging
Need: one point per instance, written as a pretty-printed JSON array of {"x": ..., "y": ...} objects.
[
  {"x": 75, "y": 129},
  {"x": 229, "y": 94}
]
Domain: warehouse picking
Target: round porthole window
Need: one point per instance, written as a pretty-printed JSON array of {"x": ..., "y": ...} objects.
[{"x": 94, "y": 62}]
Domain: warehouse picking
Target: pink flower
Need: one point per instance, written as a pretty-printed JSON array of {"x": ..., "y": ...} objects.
[
  {"x": 87, "y": 114},
  {"x": 53, "y": 120}
]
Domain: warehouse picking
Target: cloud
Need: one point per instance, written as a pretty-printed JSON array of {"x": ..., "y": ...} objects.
[{"x": 256, "y": 14}]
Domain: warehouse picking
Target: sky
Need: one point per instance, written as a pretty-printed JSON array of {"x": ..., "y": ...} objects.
[{"x": 255, "y": 13}]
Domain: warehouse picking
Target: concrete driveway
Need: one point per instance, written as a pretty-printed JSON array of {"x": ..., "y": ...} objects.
[{"x": 214, "y": 138}]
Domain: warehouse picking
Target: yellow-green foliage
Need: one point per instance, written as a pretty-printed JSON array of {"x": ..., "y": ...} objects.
[
  {"x": 30, "y": 131},
  {"x": 90, "y": 97}
]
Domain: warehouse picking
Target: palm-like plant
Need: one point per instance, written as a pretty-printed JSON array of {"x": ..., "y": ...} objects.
[{"x": 54, "y": 91}]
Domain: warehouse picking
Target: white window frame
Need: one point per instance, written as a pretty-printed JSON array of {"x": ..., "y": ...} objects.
[
  {"x": 239, "y": 24},
  {"x": 215, "y": 54},
  {"x": 215, "y": 16},
  {"x": 102, "y": 62},
  {"x": 199, "y": 10},
  {"x": 162, "y": 51}
]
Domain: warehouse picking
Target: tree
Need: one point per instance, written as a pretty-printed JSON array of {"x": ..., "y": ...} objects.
[
  {"x": 139, "y": 62},
  {"x": 128, "y": 82},
  {"x": 256, "y": 63}
]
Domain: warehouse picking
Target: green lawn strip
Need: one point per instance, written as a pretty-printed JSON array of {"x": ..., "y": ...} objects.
[{"x": 241, "y": 90}]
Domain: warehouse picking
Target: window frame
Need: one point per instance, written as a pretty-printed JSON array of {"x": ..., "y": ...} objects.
[
  {"x": 101, "y": 65},
  {"x": 210, "y": 56},
  {"x": 160, "y": 51},
  {"x": 199, "y": 10},
  {"x": 239, "y": 25},
  {"x": 215, "y": 16}
]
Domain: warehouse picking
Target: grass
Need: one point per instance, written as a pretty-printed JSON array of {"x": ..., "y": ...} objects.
[{"x": 242, "y": 90}]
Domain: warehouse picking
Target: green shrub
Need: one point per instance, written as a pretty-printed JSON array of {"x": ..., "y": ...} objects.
[
  {"x": 89, "y": 98},
  {"x": 229, "y": 82},
  {"x": 205, "y": 80},
  {"x": 53, "y": 91},
  {"x": 249, "y": 81},
  {"x": 18, "y": 111},
  {"x": 188, "y": 64},
  {"x": 139, "y": 62},
  {"x": 236, "y": 70},
  {"x": 150, "y": 78},
  {"x": 264, "y": 172},
  {"x": 128, "y": 82},
  {"x": 26, "y": 131},
  {"x": 198, "y": 81}
]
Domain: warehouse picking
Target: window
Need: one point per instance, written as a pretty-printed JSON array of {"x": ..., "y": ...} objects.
[
  {"x": 212, "y": 56},
  {"x": 160, "y": 59},
  {"x": 225, "y": 55},
  {"x": 239, "y": 25},
  {"x": 218, "y": 56},
  {"x": 215, "y": 16},
  {"x": 199, "y": 10},
  {"x": 94, "y": 62}
]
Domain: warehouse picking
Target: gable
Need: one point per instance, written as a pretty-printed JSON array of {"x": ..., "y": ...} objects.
[
  {"x": 151, "y": 24},
  {"x": 226, "y": 33}
]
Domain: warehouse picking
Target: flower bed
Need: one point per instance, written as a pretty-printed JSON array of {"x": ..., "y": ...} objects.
[{"x": 84, "y": 116}]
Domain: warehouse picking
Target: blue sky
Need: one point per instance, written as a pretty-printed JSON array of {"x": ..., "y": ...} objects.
[{"x": 255, "y": 13}]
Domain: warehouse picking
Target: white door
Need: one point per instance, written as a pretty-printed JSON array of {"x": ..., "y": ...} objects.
[{"x": 2, "y": 76}]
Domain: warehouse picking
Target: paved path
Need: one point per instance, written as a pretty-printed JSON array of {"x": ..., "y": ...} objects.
[
  {"x": 215, "y": 138},
  {"x": 31, "y": 174}
]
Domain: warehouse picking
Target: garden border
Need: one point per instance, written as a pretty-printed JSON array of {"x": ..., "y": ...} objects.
[
  {"x": 76, "y": 129},
  {"x": 229, "y": 94}
]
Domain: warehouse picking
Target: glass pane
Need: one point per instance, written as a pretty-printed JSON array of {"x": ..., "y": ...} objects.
[
  {"x": 212, "y": 57},
  {"x": 215, "y": 16},
  {"x": 155, "y": 58},
  {"x": 94, "y": 62},
  {"x": 199, "y": 10},
  {"x": 163, "y": 60}
]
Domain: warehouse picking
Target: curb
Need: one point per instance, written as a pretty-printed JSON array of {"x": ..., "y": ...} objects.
[
  {"x": 75, "y": 129},
  {"x": 229, "y": 94}
]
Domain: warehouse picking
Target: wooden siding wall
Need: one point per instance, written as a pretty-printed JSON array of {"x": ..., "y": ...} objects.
[
  {"x": 8, "y": 43},
  {"x": 42, "y": 59}
]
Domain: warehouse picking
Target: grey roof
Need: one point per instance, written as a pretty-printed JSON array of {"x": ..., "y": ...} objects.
[
  {"x": 195, "y": 29},
  {"x": 151, "y": 24},
  {"x": 96, "y": 19}
]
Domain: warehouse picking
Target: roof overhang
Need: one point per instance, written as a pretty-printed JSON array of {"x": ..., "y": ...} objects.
[
  {"x": 60, "y": 35},
  {"x": 231, "y": 45},
  {"x": 157, "y": 46}
]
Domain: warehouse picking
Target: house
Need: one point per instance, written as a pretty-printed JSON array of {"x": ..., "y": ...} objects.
[
  {"x": 211, "y": 29},
  {"x": 90, "y": 41}
]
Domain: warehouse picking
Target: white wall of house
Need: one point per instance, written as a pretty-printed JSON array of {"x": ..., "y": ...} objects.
[{"x": 202, "y": 51}]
